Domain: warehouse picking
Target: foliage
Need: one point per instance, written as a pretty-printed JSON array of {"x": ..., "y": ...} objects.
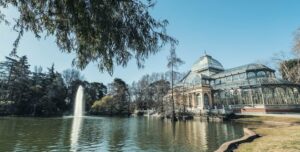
[
  {"x": 117, "y": 102},
  {"x": 103, "y": 106},
  {"x": 121, "y": 96},
  {"x": 92, "y": 92},
  {"x": 148, "y": 92},
  {"x": 290, "y": 70},
  {"x": 38, "y": 93},
  {"x": 107, "y": 32}
]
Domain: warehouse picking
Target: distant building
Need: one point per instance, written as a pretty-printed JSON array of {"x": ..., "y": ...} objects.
[{"x": 248, "y": 88}]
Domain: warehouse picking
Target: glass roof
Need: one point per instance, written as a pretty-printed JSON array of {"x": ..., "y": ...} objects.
[
  {"x": 205, "y": 62},
  {"x": 243, "y": 69}
]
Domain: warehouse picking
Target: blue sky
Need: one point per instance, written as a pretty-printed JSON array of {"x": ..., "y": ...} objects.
[{"x": 235, "y": 32}]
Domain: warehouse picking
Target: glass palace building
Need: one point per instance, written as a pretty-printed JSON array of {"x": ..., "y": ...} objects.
[{"x": 248, "y": 88}]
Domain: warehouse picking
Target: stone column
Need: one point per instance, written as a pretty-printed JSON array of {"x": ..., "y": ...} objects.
[{"x": 193, "y": 100}]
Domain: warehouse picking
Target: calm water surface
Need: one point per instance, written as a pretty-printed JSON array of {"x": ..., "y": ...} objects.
[{"x": 113, "y": 134}]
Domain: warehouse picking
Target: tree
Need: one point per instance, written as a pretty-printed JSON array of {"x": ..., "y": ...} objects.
[
  {"x": 71, "y": 75},
  {"x": 98, "y": 90},
  {"x": 104, "y": 31},
  {"x": 103, "y": 106},
  {"x": 288, "y": 66},
  {"x": 173, "y": 63},
  {"x": 16, "y": 84},
  {"x": 296, "y": 48},
  {"x": 148, "y": 92},
  {"x": 93, "y": 91},
  {"x": 290, "y": 70},
  {"x": 51, "y": 101},
  {"x": 159, "y": 88},
  {"x": 21, "y": 86},
  {"x": 121, "y": 96}
]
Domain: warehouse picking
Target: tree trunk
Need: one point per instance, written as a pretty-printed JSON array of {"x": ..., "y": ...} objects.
[{"x": 173, "y": 118}]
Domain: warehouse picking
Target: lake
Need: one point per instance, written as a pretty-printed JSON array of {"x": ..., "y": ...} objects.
[{"x": 113, "y": 134}]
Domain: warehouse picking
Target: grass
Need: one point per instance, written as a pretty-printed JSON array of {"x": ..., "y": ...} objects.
[
  {"x": 274, "y": 138},
  {"x": 262, "y": 119}
]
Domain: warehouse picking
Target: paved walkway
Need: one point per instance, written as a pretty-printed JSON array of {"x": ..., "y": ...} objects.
[{"x": 291, "y": 115}]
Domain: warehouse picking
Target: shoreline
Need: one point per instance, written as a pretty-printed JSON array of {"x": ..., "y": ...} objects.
[
  {"x": 259, "y": 122},
  {"x": 249, "y": 136}
]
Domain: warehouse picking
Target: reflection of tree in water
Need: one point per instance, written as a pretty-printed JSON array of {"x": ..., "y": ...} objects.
[
  {"x": 117, "y": 134},
  {"x": 151, "y": 132},
  {"x": 185, "y": 135},
  {"x": 218, "y": 133},
  {"x": 21, "y": 133}
]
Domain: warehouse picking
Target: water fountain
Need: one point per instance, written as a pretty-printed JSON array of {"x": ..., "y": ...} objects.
[
  {"x": 77, "y": 119},
  {"x": 79, "y": 103}
]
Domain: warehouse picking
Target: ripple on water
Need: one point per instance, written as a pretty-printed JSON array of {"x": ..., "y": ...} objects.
[{"x": 114, "y": 134}]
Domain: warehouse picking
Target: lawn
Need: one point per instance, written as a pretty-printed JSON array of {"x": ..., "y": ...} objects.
[{"x": 275, "y": 137}]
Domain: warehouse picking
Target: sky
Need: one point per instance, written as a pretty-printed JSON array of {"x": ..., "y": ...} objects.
[{"x": 235, "y": 32}]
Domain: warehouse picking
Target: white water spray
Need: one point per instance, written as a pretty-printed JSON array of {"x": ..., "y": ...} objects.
[
  {"x": 78, "y": 118},
  {"x": 79, "y": 103}
]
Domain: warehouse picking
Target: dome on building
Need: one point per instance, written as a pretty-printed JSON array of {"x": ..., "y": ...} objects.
[{"x": 206, "y": 62}]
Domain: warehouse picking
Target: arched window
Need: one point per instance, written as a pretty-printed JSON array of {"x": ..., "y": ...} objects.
[
  {"x": 251, "y": 75},
  {"x": 206, "y": 101},
  {"x": 268, "y": 74},
  {"x": 198, "y": 99},
  {"x": 216, "y": 97},
  {"x": 261, "y": 74}
]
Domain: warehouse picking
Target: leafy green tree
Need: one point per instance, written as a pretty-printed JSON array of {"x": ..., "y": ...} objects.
[
  {"x": 10, "y": 80},
  {"x": 21, "y": 86},
  {"x": 38, "y": 88},
  {"x": 121, "y": 96},
  {"x": 96, "y": 91},
  {"x": 107, "y": 32},
  {"x": 103, "y": 106},
  {"x": 16, "y": 83},
  {"x": 52, "y": 101}
]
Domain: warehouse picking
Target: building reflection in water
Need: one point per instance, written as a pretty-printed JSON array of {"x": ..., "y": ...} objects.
[{"x": 114, "y": 134}]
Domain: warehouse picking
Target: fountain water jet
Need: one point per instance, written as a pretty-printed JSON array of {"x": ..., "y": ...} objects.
[
  {"x": 77, "y": 119},
  {"x": 79, "y": 103}
]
